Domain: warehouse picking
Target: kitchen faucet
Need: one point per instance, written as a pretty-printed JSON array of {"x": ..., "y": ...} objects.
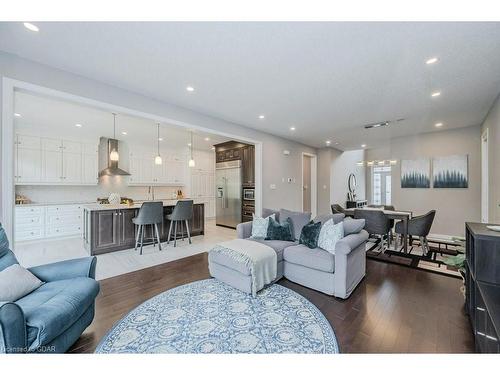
[{"x": 151, "y": 193}]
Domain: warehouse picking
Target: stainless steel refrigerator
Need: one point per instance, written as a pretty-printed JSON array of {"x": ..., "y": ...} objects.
[{"x": 228, "y": 185}]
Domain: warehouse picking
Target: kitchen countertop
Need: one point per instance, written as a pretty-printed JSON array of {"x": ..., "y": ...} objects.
[
  {"x": 53, "y": 203},
  {"x": 137, "y": 204}
]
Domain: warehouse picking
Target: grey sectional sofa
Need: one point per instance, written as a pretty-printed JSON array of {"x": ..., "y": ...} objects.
[{"x": 317, "y": 269}]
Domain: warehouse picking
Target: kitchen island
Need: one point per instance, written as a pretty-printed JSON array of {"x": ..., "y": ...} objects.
[{"x": 108, "y": 228}]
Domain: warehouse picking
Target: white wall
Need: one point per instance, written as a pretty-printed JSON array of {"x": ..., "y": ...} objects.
[
  {"x": 276, "y": 166},
  {"x": 334, "y": 168},
  {"x": 453, "y": 206},
  {"x": 492, "y": 123}
]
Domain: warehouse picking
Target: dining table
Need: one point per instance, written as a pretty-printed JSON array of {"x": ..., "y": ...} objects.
[{"x": 403, "y": 216}]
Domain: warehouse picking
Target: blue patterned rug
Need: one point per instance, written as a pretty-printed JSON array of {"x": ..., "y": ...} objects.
[{"x": 209, "y": 316}]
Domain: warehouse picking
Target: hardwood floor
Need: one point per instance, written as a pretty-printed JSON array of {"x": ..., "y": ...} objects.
[{"x": 394, "y": 310}]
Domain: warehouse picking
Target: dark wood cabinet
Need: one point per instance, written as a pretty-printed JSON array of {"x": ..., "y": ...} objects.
[
  {"x": 248, "y": 166},
  {"x": 482, "y": 286},
  {"x": 113, "y": 230},
  {"x": 105, "y": 231}
]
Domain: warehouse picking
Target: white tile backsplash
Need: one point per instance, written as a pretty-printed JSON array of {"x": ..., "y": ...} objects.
[{"x": 62, "y": 194}]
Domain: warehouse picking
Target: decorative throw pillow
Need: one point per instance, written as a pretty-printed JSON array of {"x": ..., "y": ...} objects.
[
  {"x": 310, "y": 234},
  {"x": 280, "y": 232},
  {"x": 259, "y": 227},
  {"x": 329, "y": 235},
  {"x": 353, "y": 226},
  {"x": 17, "y": 282}
]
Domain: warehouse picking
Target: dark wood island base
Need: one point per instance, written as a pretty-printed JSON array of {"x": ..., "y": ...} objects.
[{"x": 108, "y": 229}]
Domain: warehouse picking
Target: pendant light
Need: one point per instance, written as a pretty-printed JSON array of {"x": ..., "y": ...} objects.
[
  {"x": 191, "y": 161},
  {"x": 113, "y": 155},
  {"x": 158, "y": 160}
]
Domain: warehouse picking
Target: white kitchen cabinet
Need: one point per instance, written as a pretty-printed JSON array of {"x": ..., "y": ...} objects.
[
  {"x": 49, "y": 161},
  {"x": 52, "y": 166},
  {"x": 72, "y": 167},
  {"x": 38, "y": 222},
  {"x": 144, "y": 171},
  {"x": 28, "y": 165}
]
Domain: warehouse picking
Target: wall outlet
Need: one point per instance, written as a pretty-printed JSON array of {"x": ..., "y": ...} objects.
[
  {"x": 272, "y": 187},
  {"x": 289, "y": 180}
]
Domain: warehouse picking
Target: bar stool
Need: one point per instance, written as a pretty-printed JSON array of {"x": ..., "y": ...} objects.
[
  {"x": 183, "y": 211},
  {"x": 150, "y": 213}
]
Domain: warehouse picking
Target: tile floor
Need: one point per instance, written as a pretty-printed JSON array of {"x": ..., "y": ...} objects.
[{"x": 117, "y": 263}]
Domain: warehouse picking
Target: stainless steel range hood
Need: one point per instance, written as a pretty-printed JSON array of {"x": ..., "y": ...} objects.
[{"x": 109, "y": 167}]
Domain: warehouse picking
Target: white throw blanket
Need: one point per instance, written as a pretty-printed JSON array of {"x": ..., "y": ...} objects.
[{"x": 260, "y": 259}]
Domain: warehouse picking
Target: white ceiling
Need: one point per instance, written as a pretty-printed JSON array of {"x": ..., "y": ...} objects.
[
  {"x": 55, "y": 118},
  {"x": 326, "y": 79}
]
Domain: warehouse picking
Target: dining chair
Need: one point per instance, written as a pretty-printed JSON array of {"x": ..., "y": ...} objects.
[
  {"x": 182, "y": 213},
  {"x": 337, "y": 209},
  {"x": 418, "y": 226},
  {"x": 377, "y": 225},
  {"x": 150, "y": 213}
]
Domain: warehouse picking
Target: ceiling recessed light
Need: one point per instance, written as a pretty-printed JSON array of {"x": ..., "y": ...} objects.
[
  {"x": 438, "y": 125},
  {"x": 207, "y": 139},
  {"x": 337, "y": 143},
  {"x": 160, "y": 139},
  {"x": 124, "y": 133},
  {"x": 363, "y": 145},
  {"x": 31, "y": 27},
  {"x": 78, "y": 125},
  {"x": 328, "y": 142},
  {"x": 292, "y": 128},
  {"x": 190, "y": 88},
  {"x": 262, "y": 117},
  {"x": 437, "y": 93},
  {"x": 17, "y": 114},
  {"x": 189, "y": 144},
  {"x": 432, "y": 60}
]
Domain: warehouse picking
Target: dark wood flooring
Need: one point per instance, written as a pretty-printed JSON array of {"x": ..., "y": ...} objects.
[{"x": 395, "y": 309}]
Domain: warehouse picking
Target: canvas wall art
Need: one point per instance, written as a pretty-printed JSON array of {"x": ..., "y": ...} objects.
[
  {"x": 450, "y": 172},
  {"x": 415, "y": 173}
]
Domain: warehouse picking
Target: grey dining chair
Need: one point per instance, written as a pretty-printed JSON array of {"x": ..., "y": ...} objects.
[
  {"x": 337, "y": 209},
  {"x": 182, "y": 213},
  {"x": 376, "y": 224},
  {"x": 418, "y": 226},
  {"x": 150, "y": 213}
]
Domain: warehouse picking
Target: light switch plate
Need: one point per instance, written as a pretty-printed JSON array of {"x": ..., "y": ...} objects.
[{"x": 272, "y": 187}]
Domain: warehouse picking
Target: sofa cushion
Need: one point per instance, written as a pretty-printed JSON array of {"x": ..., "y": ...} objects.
[
  {"x": 352, "y": 226},
  {"x": 317, "y": 258},
  {"x": 16, "y": 282},
  {"x": 280, "y": 232},
  {"x": 278, "y": 246},
  {"x": 337, "y": 218},
  {"x": 259, "y": 226},
  {"x": 310, "y": 234},
  {"x": 55, "y": 306},
  {"x": 269, "y": 211},
  {"x": 299, "y": 219}
]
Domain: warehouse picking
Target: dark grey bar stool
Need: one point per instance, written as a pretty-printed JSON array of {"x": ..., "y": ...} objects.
[
  {"x": 150, "y": 213},
  {"x": 183, "y": 211}
]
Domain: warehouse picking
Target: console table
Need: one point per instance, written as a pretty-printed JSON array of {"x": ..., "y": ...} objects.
[{"x": 482, "y": 283}]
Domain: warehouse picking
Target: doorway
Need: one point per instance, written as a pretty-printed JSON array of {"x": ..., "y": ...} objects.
[
  {"x": 309, "y": 180},
  {"x": 381, "y": 185},
  {"x": 484, "y": 177}
]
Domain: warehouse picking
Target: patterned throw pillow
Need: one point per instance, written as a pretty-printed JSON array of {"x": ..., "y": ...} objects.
[
  {"x": 280, "y": 232},
  {"x": 329, "y": 235},
  {"x": 310, "y": 234},
  {"x": 259, "y": 227}
]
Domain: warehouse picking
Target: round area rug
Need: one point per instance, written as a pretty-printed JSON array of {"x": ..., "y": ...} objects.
[{"x": 209, "y": 316}]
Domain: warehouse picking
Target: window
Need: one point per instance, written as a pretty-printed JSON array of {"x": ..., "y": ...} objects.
[{"x": 381, "y": 185}]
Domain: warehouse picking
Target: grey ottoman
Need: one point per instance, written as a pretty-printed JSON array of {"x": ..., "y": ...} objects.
[{"x": 236, "y": 274}]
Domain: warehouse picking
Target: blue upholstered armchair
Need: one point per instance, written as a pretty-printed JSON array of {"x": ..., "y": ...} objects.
[{"x": 51, "y": 318}]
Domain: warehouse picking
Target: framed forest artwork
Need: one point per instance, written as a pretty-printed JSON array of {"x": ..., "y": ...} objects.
[
  {"x": 450, "y": 172},
  {"x": 415, "y": 173}
]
